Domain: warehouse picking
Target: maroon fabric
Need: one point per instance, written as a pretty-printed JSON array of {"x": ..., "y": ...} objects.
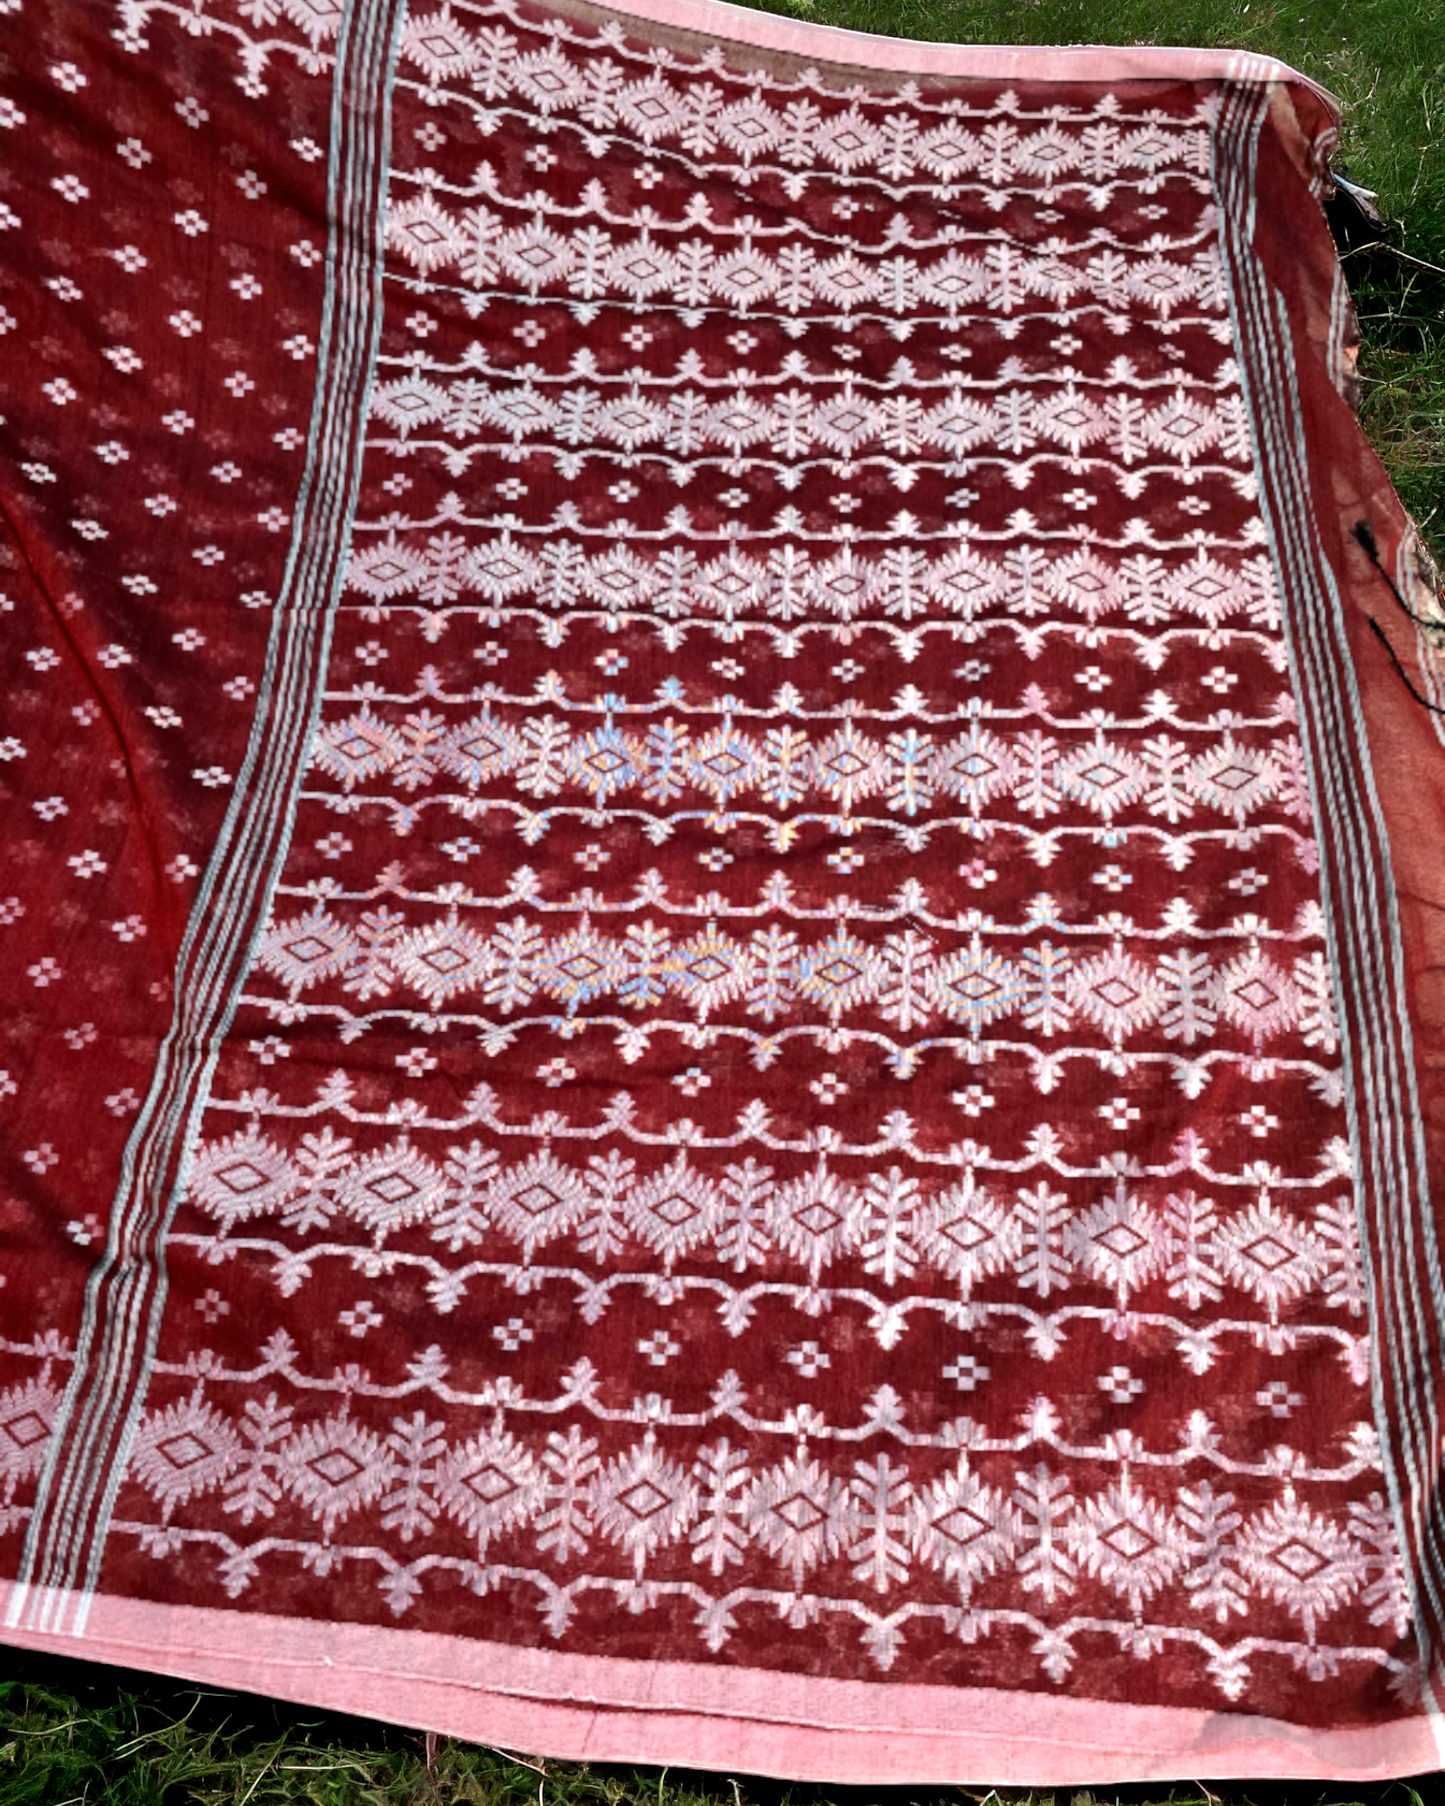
[
  {"x": 155, "y": 423},
  {"x": 663, "y": 698}
]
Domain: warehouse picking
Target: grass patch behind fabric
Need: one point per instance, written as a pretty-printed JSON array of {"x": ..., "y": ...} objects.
[{"x": 72, "y": 1734}]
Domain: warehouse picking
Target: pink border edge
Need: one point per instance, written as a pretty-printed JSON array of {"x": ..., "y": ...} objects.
[
  {"x": 919, "y": 56},
  {"x": 607, "y": 1709}
]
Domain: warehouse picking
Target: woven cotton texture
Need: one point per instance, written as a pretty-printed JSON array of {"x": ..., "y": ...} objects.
[{"x": 720, "y": 819}]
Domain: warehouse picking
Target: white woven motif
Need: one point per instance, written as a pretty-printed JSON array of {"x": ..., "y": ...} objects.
[{"x": 683, "y": 1141}]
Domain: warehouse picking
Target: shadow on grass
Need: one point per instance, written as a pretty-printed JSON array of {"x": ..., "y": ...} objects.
[{"x": 1400, "y": 300}]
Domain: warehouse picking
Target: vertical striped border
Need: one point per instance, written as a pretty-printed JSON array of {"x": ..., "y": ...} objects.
[
  {"x": 126, "y": 1294},
  {"x": 1339, "y": 318},
  {"x": 1401, "y": 1257}
]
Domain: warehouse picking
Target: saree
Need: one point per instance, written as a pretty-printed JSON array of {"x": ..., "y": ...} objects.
[{"x": 722, "y": 916}]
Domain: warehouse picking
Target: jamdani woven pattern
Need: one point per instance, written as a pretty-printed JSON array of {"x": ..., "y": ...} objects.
[{"x": 715, "y": 950}]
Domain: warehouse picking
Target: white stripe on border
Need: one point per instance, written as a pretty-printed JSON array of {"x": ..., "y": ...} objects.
[{"x": 1391, "y": 1193}]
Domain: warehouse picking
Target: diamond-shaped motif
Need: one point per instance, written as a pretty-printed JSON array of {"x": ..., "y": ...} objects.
[
  {"x": 184, "y": 1451},
  {"x": 676, "y": 1209},
  {"x": 818, "y": 1218},
  {"x": 501, "y": 569},
  {"x": 1269, "y": 1252},
  {"x": 1128, "y": 1540},
  {"x": 335, "y": 1467},
  {"x": 732, "y": 584},
  {"x": 1122, "y": 1240},
  {"x": 948, "y": 150},
  {"x": 1102, "y": 775},
  {"x": 708, "y": 968},
  {"x": 606, "y": 761},
  {"x": 644, "y": 1500},
  {"x": 966, "y": 1233},
  {"x": 308, "y": 950},
  {"x": 961, "y": 1526},
  {"x": 976, "y": 987},
  {"x": 1256, "y": 993},
  {"x": 26, "y": 1429},
  {"x": 1296, "y": 1557},
  {"x": 1233, "y": 778},
  {"x": 1204, "y": 586},
  {"x": 444, "y": 960},
  {"x": 393, "y": 1188},
  {"x": 845, "y": 763},
  {"x": 241, "y": 1178},
  {"x": 537, "y": 1199},
  {"x": 489, "y": 1483},
  {"x": 799, "y": 1513}
]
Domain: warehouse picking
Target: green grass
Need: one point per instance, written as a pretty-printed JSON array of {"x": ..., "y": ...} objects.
[{"x": 73, "y": 1735}]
